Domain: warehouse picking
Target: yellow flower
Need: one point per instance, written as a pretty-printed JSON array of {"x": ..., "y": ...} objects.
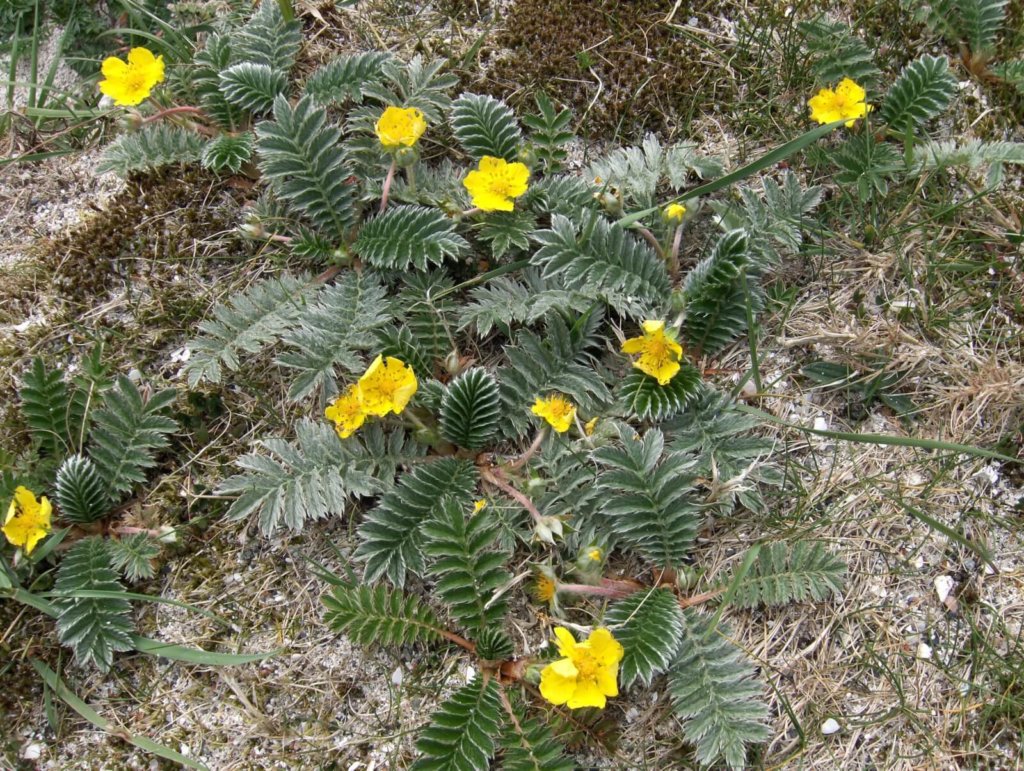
[
  {"x": 589, "y": 426},
  {"x": 386, "y": 386},
  {"x": 129, "y": 83},
  {"x": 587, "y": 673},
  {"x": 479, "y": 506},
  {"x": 400, "y": 127},
  {"x": 674, "y": 212},
  {"x": 495, "y": 183},
  {"x": 594, "y": 555},
  {"x": 544, "y": 588},
  {"x": 847, "y": 103},
  {"x": 347, "y": 412},
  {"x": 28, "y": 520},
  {"x": 659, "y": 353},
  {"x": 558, "y": 411}
]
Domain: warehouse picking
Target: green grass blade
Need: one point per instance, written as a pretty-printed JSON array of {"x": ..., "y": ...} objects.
[
  {"x": 195, "y": 655},
  {"x": 741, "y": 573},
  {"x": 102, "y": 594},
  {"x": 768, "y": 159},
  {"x": 887, "y": 439},
  {"x": 68, "y": 696},
  {"x": 154, "y": 647}
]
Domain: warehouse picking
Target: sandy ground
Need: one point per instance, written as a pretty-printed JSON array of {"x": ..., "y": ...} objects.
[{"x": 899, "y": 672}]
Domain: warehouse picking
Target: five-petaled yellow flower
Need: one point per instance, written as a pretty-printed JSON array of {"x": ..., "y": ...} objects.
[
  {"x": 129, "y": 83},
  {"x": 659, "y": 353},
  {"x": 386, "y": 386},
  {"x": 347, "y": 412},
  {"x": 847, "y": 103},
  {"x": 587, "y": 673},
  {"x": 674, "y": 212},
  {"x": 495, "y": 183},
  {"x": 28, "y": 520},
  {"x": 558, "y": 411},
  {"x": 400, "y": 127}
]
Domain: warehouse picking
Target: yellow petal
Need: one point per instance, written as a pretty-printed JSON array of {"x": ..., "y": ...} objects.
[
  {"x": 554, "y": 687},
  {"x": 633, "y": 345},
  {"x": 604, "y": 647},
  {"x": 566, "y": 642},
  {"x": 607, "y": 681},
  {"x": 113, "y": 67},
  {"x": 652, "y": 326},
  {"x": 586, "y": 694}
]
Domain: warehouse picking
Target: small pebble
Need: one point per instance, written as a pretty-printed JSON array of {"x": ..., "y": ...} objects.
[
  {"x": 924, "y": 650},
  {"x": 397, "y": 676},
  {"x": 943, "y": 586},
  {"x": 829, "y": 727}
]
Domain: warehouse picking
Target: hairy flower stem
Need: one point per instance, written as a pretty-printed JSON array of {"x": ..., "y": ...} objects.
[
  {"x": 171, "y": 111},
  {"x": 650, "y": 239},
  {"x": 462, "y": 642},
  {"x": 387, "y": 186},
  {"x": 528, "y": 453},
  {"x": 495, "y": 477},
  {"x": 410, "y": 179},
  {"x": 673, "y": 255}
]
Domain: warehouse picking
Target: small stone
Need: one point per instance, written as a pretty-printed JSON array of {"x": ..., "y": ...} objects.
[
  {"x": 943, "y": 586},
  {"x": 820, "y": 424},
  {"x": 32, "y": 751},
  {"x": 397, "y": 676},
  {"x": 829, "y": 727},
  {"x": 924, "y": 650},
  {"x": 470, "y": 674}
]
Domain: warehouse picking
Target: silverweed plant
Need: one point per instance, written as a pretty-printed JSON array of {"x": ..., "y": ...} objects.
[{"x": 506, "y": 372}]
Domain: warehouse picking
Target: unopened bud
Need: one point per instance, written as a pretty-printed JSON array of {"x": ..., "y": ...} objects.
[
  {"x": 407, "y": 156},
  {"x": 527, "y": 155}
]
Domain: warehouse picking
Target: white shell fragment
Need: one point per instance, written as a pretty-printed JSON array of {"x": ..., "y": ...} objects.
[
  {"x": 829, "y": 727},
  {"x": 943, "y": 586}
]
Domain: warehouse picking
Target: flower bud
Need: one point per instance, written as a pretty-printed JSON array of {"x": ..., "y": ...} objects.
[
  {"x": 407, "y": 156},
  {"x": 527, "y": 156},
  {"x": 131, "y": 120}
]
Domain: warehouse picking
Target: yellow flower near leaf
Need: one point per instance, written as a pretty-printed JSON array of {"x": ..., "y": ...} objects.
[
  {"x": 28, "y": 520},
  {"x": 558, "y": 411},
  {"x": 589, "y": 426},
  {"x": 586, "y": 674},
  {"x": 400, "y": 127},
  {"x": 387, "y": 386},
  {"x": 129, "y": 83},
  {"x": 594, "y": 555},
  {"x": 847, "y": 103},
  {"x": 479, "y": 505},
  {"x": 544, "y": 588},
  {"x": 347, "y": 412},
  {"x": 674, "y": 212},
  {"x": 659, "y": 353},
  {"x": 495, "y": 182}
]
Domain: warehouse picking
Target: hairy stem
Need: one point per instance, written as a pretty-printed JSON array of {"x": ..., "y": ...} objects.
[
  {"x": 528, "y": 453},
  {"x": 387, "y": 186},
  {"x": 495, "y": 477}
]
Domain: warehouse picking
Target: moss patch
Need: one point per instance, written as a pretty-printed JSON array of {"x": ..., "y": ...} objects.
[
  {"x": 623, "y": 64},
  {"x": 159, "y": 217}
]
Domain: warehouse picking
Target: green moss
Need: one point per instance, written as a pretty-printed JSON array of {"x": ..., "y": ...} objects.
[
  {"x": 636, "y": 70},
  {"x": 158, "y": 216}
]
